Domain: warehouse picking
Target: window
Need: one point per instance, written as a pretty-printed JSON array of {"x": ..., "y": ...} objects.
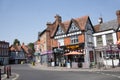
[
  {"x": 89, "y": 35},
  {"x": 61, "y": 42},
  {"x": 91, "y": 56},
  {"x": 109, "y": 38},
  {"x": 114, "y": 54},
  {"x": 74, "y": 39},
  {"x": 99, "y": 40},
  {"x": 73, "y": 28}
]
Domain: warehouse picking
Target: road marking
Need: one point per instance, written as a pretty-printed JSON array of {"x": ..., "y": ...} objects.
[
  {"x": 108, "y": 74},
  {"x": 17, "y": 75},
  {"x": 4, "y": 77}
]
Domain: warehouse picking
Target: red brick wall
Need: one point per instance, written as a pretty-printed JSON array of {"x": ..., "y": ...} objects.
[
  {"x": 81, "y": 38},
  {"x": 67, "y": 41},
  {"x": 48, "y": 40},
  {"x": 118, "y": 35},
  {"x": 54, "y": 43}
]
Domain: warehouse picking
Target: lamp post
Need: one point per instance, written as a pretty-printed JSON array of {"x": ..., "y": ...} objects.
[{"x": 112, "y": 55}]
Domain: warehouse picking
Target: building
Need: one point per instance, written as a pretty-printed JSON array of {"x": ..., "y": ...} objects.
[
  {"x": 44, "y": 47},
  {"x": 4, "y": 53},
  {"x": 18, "y": 54},
  {"x": 29, "y": 53},
  {"x": 105, "y": 38},
  {"x": 63, "y": 37},
  {"x": 37, "y": 51},
  {"x": 94, "y": 44}
]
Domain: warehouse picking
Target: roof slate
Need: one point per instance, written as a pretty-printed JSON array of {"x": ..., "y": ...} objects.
[{"x": 110, "y": 25}]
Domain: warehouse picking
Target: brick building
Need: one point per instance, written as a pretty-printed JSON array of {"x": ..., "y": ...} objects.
[
  {"x": 19, "y": 54},
  {"x": 67, "y": 36},
  {"x": 4, "y": 52},
  {"x": 79, "y": 35}
]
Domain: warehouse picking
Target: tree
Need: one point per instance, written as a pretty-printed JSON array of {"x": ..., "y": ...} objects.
[
  {"x": 31, "y": 45},
  {"x": 16, "y": 42}
]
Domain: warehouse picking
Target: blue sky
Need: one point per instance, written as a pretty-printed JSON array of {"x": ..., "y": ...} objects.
[{"x": 23, "y": 19}]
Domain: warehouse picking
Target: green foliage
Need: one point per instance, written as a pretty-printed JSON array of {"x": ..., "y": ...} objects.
[
  {"x": 31, "y": 45},
  {"x": 16, "y": 42}
]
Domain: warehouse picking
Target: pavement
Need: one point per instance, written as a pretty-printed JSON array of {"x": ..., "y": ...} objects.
[
  {"x": 14, "y": 76},
  {"x": 57, "y": 68}
]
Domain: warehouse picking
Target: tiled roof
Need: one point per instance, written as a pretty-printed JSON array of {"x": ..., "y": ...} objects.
[
  {"x": 110, "y": 25},
  {"x": 27, "y": 50},
  {"x": 15, "y": 48},
  {"x": 81, "y": 22},
  {"x": 18, "y": 48}
]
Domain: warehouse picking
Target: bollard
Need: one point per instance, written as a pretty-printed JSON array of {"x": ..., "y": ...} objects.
[
  {"x": 10, "y": 70},
  {"x": 7, "y": 72},
  {"x": 0, "y": 74},
  {"x": 4, "y": 69}
]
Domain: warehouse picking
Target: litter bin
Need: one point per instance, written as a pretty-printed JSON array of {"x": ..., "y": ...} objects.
[
  {"x": 53, "y": 64},
  {"x": 68, "y": 65}
]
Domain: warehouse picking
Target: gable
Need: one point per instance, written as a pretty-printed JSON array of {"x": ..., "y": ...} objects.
[
  {"x": 73, "y": 28},
  {"x": 89, "y": 26},
  {"x": 59, "y": 31},
  {"x": 118, "y": 28}
]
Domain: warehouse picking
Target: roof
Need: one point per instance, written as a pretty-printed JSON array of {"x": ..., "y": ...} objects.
[
  {"x": 80, "y": 22},
  {"x": 19, "y": 48},
  {"x": 110, "y": 25},
  {"x": 15, "y": 48}
]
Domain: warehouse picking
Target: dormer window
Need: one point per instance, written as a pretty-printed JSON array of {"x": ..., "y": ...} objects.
[
  {"x": 60, "y": 31},
  {"x": 73, "y": 28}
]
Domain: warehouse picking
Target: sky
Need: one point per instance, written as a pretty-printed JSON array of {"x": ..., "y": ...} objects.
[{"x": 23, "y": 19}]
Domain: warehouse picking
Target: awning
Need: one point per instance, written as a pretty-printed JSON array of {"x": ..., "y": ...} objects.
[{"x": 73, "y": 53}]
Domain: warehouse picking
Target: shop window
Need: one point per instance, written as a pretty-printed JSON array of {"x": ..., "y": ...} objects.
[{"x": 114, "y": 55}]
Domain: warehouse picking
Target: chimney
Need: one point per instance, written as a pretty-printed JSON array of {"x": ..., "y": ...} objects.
[
  {"x": 100, "y": 20},
  {"x": 23, "y": 44},
  {"x": 118, "y": 16},
  {"x": 58, "y": 18}
]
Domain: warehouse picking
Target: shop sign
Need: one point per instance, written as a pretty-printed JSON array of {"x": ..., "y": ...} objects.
[{"x": 72, "y": 46}]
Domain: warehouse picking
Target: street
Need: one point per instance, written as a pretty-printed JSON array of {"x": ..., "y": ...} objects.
[{"x": 27, "y": 73}]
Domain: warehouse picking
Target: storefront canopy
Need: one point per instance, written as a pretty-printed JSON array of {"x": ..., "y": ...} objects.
[{"x": 73, "y": 53}]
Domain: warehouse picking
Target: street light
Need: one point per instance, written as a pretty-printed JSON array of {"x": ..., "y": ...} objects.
[{"x": 112, "y": 55}]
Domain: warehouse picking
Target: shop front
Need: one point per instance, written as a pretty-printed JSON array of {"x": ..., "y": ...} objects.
[
  {"x": 74, "y": 55},
  {"x": 59, "y": 59},
  {"x": 74, "y": 59},
  {"x": 108, "y": 57},
  {"x": 46, "y": 58}
]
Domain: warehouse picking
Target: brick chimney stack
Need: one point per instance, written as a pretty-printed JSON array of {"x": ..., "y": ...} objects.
[
  {"x": 58, "y": 18},
  {"x": 118, "y": 16}
]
